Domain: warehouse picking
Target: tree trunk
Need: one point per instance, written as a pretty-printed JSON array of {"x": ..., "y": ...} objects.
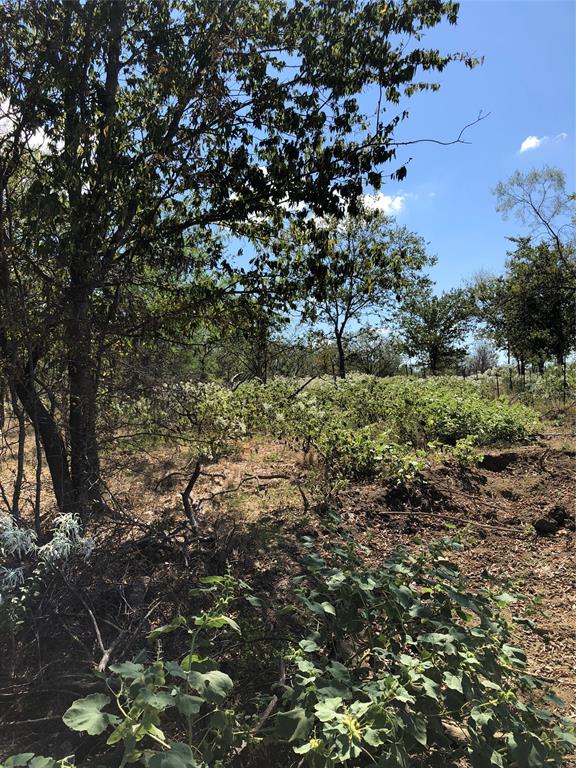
[
  {"x": 341, "y": 356},
  {"x": 52, "y": 441},
  {"x": 19, "y": 479},
  {"x": 262, "y": 349},
  {"x": 2, "y": 404},
  {"x": 83, "y": 383}
]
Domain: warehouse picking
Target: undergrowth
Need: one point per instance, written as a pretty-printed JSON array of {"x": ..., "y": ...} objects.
[{"x": 379, "y": 667}]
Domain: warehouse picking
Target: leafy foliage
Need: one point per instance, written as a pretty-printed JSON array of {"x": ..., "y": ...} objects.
[
  {"x": 26, "y": 563},
  {"x": 422, "y": 652},
  {"x": 530, "y": 310},
  {"x": 412, "y": 411},
  {"x": 132, "y": 131},
  {"x": 361, "y": 265},
  {"x": 362, "y": 427},
  {"x": 386, "y": 662}
]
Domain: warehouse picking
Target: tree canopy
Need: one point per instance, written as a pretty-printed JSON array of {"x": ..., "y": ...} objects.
[{"x": 130, "y": 130}]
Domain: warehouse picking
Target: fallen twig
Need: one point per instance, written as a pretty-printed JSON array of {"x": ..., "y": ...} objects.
[{"x": 443, "y": 516}]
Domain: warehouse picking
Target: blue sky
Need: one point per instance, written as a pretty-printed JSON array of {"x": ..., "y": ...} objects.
[{"x": 527, "y": 83}]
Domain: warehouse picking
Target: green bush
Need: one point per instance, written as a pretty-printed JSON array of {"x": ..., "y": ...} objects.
[
  {"x": 422, "y": 653},
  {"x": 361, "y": 427}
]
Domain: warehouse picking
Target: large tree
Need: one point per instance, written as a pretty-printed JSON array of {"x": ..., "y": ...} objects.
[
  {"x": 433, "y": 328},
  {"x": 372, "y": 351},
  {"x": 361, "y": 264},
  {"x": 539, "y": 299},
  {"x": 530, "y": 311},
  {"x": 539, "y": 199},
  {"x": 129, "y": 130}
]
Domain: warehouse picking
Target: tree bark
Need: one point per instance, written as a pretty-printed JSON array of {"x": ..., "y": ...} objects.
[
  {"x": 20, "y": 456},
  {"x": 52, "y": 442},
  {"x": 341, "y": 356},
  {"x": 83, "y": 382}
]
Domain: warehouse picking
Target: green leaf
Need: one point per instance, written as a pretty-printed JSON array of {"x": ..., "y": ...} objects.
[
  {"x": 482, "y": 717},
  {"x": 174, "y": 669},
  {"x": 496, "y": 759},
  {"x": 308, "y": 645},
  {"x": 568, "y": 737},
  {"x": 215, "y": 622},
  {"x": 506, "y": 598},
  {"x": 159, "y": 700},
  {"x": 127, "y": 669},
  {"x": 515, "y": 655},
  {"x": 197, "y": 663},
  {"x": 254, "y": 601},
  {"x": 176, "y": 623},
  {"x": 304, "y": 749},
  {"x": 213, "y": 686},
  {"x": 328, "y": 709},
  {"x": 430, "y": 687},
  {"x": 86, "y": 715},
  {"x": 292, "y": 725},
  {"x": 526, "y": 750},
  {"x": 419, "y": 611},
  {"x": 372, "y": 737},
  {"x": 404, "y": 595},
  {"x": 454, "y": 682},
  {"x": 440, "y": 639},
  {"x": 178, "y": 756},
  {"x": 212, "y": 579},
  {"x": 23, "y": 758},
  {"x": 188, "y": 705},
  {"x": 417, "y": 727},
  {"x": 42, "y": 762}
]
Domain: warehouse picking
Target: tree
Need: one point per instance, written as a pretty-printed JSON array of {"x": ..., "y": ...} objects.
[
  {"x": 539, "y": 199},
  {"x": 371, "y": 351},
  {"x": 431, "y": 328},
  {"x": 531, "y": 310},
  {"x": 481, "y": 358},
  {"x": 130, "y": 130},
  {"x": 502, "y": 314},
  {"x": 362, "y": 263}
]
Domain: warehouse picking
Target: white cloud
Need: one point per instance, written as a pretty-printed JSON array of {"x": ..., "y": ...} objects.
[
  {"x": 533, "y": 142},
  {"x": 391, "y": 205}
]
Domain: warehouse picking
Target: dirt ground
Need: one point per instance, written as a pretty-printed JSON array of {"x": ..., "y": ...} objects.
[{"x": 515, "y": 515}]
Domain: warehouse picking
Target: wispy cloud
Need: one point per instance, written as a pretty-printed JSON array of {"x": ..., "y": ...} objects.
[
  {"x": 391, "y": 205},
  {"x": 533, "y": 142}
]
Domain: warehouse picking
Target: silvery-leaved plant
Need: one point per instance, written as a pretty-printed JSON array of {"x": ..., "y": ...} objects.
[
  {"x": 10, "y": 578},
  {"x": 14, "y": 539},
  {"x": 17, "y": 541},
  {"x": 67, "y": 540}
]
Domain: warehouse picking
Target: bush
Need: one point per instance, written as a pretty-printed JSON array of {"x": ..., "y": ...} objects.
[{"x": 362, "y": 427}]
